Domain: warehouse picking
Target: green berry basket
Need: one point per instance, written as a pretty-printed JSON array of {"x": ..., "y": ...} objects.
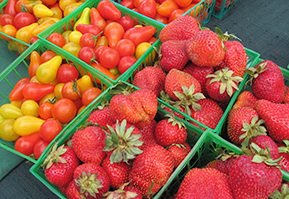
[
  {"x": 222, "y": 7},
  {"x": 18, "y": 70},
  {"x": 38, "y": 171},
  {"x": 199, "y": 128},
  {"x": 67, "y": 24},
  {"x": 202, "y": 153}
]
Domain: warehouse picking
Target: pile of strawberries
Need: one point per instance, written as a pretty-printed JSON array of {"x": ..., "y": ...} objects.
[
  {"x": 203, "y": 70},
  {"x": 120, "y": 147}
]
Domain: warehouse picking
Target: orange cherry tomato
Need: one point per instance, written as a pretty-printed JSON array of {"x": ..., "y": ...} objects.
[
  {"x": 9, "y": 30},
  {"x": 113, "y": 32},
  {"x": 34, "y": 63},
  {"x": 167, "y": 7},
  {"x": 175, "y": 14},
  {"x": 183, "y": 3},
  {"x": 89, "y": 95},
  {"x": 71, "y": 91}
]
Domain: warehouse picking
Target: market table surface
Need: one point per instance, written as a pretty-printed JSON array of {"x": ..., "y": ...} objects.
[{"x": 262, "y": 25}]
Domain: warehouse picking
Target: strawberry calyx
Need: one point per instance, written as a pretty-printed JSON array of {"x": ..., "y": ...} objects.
[
  {"x": 252, "y": 130},
  {"x": 54, "y": 156},
  {"x": 88, "y": 184},
  {"x": 177, "y": 145},
  {"x": 189, "y": 99},
  {"x": 225, "y": 36},
  {"x": 225, "y": 154},
  {"x": 121, "y": 89},
  {"x": 120, "y": 193},
  {"x": 281, "y": 194},
  {"x": 88, "y": 124},
  {"x": 227, "y": 80},
  {"x": 122, "y": 142},
  {"x": 284, "y": 149},
  {"x": 174, "y": 121},
  {"x": 255, "y": 72}
]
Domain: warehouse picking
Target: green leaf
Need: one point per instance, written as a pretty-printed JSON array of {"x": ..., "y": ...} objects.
[
  {"x": 257, "y": 159},
  {"x": 128, "y": 133},
  {"x": 116, "y": 156},
  {"x": 222, "y": 88}
]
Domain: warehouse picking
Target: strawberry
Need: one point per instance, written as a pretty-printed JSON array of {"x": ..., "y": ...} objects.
[
  {"x": 200, "y": 73},
  {"x": 268, "y": 82},
  {"x": 88, "y": 144},
  {"x": 101, "y": 117},
  {"x": 221, "y": 165},
  {"x": 286, "y": 97},
  {"x": 124, "y": 192},
  {"x": 284, "y": 152},
  {"x": 250, "y": 180},
  {"x": 209, "y": 114},
  {"x": 60, "y": 164},
  {"x": 170, "y": 131},
  {"x": 148, "y": 134},
  {"x": 173, "y": 55},
  {"x": 151, "y": 169},
  {"x": 205, "y": 49},
  {"x": 204, "y": 183},
  {"x": 276, "y": 117},
  {"x": 135, "y": 191},
  {"x": 177, "y": 79},
  {"x": 117, "y": 172},
  {"x": 91, "y": 180},
  {"x": 72, "y": 192},
  {"x": 281, "y": 192},
  {"x": 124, "y": 141},
  {"x": 264, "y": 141},
  {"x": 138, "y": 108},
  {"x": 235, "y": 58},
  {"x": 221, "y": 85},
  {"x": 245, "y": 99},
  {"x": 179, "y": 152},
  {"x": 183, "y": 28},
  {"x": 151, "y": 78}
]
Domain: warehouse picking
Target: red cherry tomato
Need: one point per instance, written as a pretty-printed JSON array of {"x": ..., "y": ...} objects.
[
  {"x": 49, "y": 2},
  {"x": 6, "y": 19},
  {"x": 125, "y": 47},
  {"x": 25, "y": 144},
  {"x": 108, "y": 10},
  {"x": 49, "y": 130},
  {"x": 64, "y": 110},
  {"x": 125, "y": 63},
  {"x": 45, "y": 110},
  {"x": 126, "y": 22},
  {"x": 88, "y": 40},
  {"x": 71, "y": 91},
  {"x": 47, "y": 55},
  {"x": 39, "y": 147},
  {"x": 127, "y": 3},
  {"x": 16, "y": 94},
  {"x": 33, "y": 39},
  {"x": 87, "y": 55},
  {"x": 89, "y": 95},
  {"x": 109, "y": 58},
  {"x": 140, "y": 34},
  {"x": 66, "y": 73},
  {"x": 148, "y": 8},
  {"x": 98, "y": 51},
  {"x": 36, "y": 91},
  {"x": 57, "y": 39},
  {"x": 23, "y": 19}
]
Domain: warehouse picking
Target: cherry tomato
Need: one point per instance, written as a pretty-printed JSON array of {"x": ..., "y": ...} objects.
[
  {"x": 66, "y": 73},
  {"x": 88, "y": 28},
  {"x": 16, "y": 93},
  {"x": 102, "y": 70},
  {"x": 45, "y": 110},
  {"x": 49, "y": 130},
  {"x": 9, "y": 30},
  {"x": 175, "y": 14},
  {"x": 6, "y": 19},
  {"x": 89, "y": 95},
  {"x": 57, "y": 39},
  {"x": 98, "y": 51},
  {"x": 39, "y": 147},
  {"x": 36, "y": 91},
  {"x": 140, "y": 34},
  {"x": 88, "y": 40},
  {"x": 64, "y": 110},
  {"x": 78, "y": 103},
  {"x": 47, "y": 55},
  {"x": 113, "y": 32},
  {"x": 148, "y": 8},
  {"x": 22, "y": 19},
  {"x": 49, "y": 2},
  {"x": 126, "y": 22},
  {"x": 108, "y": 10},
  {"x": 167, "y": 7},
  {"x": 136, "y": 3},
  {"x": 72, "y": 48},
  {"x": 127, "y": 3},
  {"x": 125, "y": 63},
  {"x": 58, "y": 90},
  {"x": 71, "y": 91},
  {"x": 86, "y": 54},
  {"x": 109, "y": 58},
  {"x": 33, "y": 39},
  {"x": 161, "y": 19},
  {"x": 25, "y": 144},
  {"x": 125, "y": 47}
]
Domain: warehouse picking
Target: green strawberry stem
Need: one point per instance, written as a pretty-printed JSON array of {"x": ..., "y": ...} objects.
[
  {"x": 284, "y": 149},
  {"x": 120, "y": 193},
  {"x": 88, "y": 184},
  {"x": 283, "y": 194},
  {"x": 174, "y": 121},
  {"x": 54, "y": 156}
]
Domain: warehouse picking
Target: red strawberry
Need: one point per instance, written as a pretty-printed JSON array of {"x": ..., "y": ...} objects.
[
  {"x": 284, "y": 152},
  {"x": 117, "y": 172},
  {"x": 60, "y": 164},
  {"x": 151, "y": 78},
  {"x": 183, "y": 28},
  {"x": 268, "y": 82},
  {"x": 88, "y": 144},
  {"x": 179, "y": 152},
  {"x": 235, "y": 58},
  {"x": 250, "y": 180},
  {"x": 124, "y": 141},
  {"x": 138, "y": 108},
  {"x": 209, "y": 115},
  {"x": 72, "y": 192},
  {"x": 276, "y": 117},
  {"x": 101, "y": 117},
  {"x": 222, "y": 85},
  {"x": 204, "y": 183},
  {"x": 91, "y": 180},
  {"x": 245, "y": 99},
  {"x": 175, "y": 113},
  {"x": 173, "y": 55},
  {"x": 286, "y": 98},
  {"x": 176, "y": 79},
  {"x": 148, "y": 134},
  {"x": 124, "y": 193},
  {"x": 170, "y": 131},
  {"x": 264, "y": 142},
  {"x": 200, "y": 73},
  {"x": 205, "y": 49},
  {"x": 151, "y": 169},
  {"x": 134, "y": 190},
  {"x": 221, "y": 165}
]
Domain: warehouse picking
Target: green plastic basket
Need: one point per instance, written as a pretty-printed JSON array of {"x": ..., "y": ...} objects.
[
  {"x": 202, "y": 11},
  {"x": 18, "y": 70},
  {"x": 200, "y": 128},
  {"x": 37, "y": 170},
  {"x": 221, "y": 9},
  {"x": 66, "y": 23},
  {"x": 202, "y": 153}
]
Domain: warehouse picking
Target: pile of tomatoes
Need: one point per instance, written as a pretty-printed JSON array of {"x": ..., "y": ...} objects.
[
  {"x": 106, "y": 40},
  {"x": 166, "y": 11},
  {"x": 42, "y": 104},
  {"x": 25, "y": 19}
]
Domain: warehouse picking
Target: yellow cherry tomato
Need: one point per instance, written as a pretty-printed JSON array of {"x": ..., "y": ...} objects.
[
  {"x": 141, "y": 49},
  {"x": 16, "y": 103},
  {"x": 57, "y": 13},
  {"x": 40, "y": 10},
  {"x": 46, "y": 72},
  {"x": 1, "y": 118},
  {"x": 46, "y": 98},
  {"x": 30, "y": 107},
  {"x": 75, "y": 36},
  {"x": 6, "y": 130},
  {"x": 70, "y": 8},
  {"x": 64, "y": 3},
  {"x": 34, "y": 79},
  {"x": 84, "y": 18},
  {"x": 25, "y": 33},
  {"x": 72, "y": 48},
  {"x": 84, "y": 83},
  {"x": 58, "y": 90},
  {"x": 9, "y": 111},
  {"x": 44, "y": 19},
  {"x": 66, "y": 34},
  {"x": 43, "y": 26},
  {"x": 102, "y": 41},
  {"x": 27, "y": 125}
]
